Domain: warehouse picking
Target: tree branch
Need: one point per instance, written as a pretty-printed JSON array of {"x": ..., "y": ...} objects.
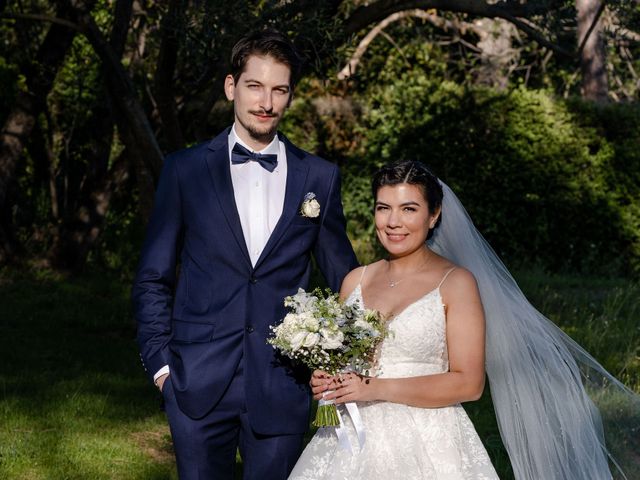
[
  {"x": 510, "y": 11},
  {"x": 124, "y": 91},
  {"x": 536, "y": 35},
  {"x": 350, "y": 68},
  {"x": 124, "y": 95},
  {"x": 43, "y": 18}
]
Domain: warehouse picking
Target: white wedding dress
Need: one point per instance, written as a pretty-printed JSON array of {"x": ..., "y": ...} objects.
[{"x": 403, "y": 442}]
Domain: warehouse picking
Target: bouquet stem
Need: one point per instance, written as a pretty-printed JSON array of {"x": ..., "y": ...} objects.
[{"x": 327, "y": 414}]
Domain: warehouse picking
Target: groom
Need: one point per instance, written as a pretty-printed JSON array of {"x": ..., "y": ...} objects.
[{"x": 240, "y": 216}]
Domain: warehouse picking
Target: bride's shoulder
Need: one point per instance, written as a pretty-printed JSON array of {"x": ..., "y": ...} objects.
[
  {"x": 354, "y": 278},
  {"x": 351, "y": 281},
  {"x": 457, "y": 279}
]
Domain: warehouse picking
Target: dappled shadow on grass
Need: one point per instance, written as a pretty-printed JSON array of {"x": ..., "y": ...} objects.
[
  {"x": 74, "y": 400},
  {"x": 599, "y": 313},
  {"x": 156, "y": 443},
  {"x": 621, "y": 421}
]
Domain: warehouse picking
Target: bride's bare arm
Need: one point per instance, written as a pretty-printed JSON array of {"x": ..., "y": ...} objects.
[{"x": 465, "y": 343}]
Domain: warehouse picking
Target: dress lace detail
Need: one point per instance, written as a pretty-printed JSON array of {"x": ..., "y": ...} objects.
[{"x": 404, "y": 442}]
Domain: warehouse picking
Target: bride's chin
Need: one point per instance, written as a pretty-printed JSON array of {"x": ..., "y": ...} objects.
[{"x": 399, "y": 251}]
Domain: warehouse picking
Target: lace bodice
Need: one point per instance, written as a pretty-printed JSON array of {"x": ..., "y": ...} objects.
[{"x": 416, "y": 344}]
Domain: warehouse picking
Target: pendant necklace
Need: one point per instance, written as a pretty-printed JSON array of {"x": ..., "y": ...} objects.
[{"x": 393, "y": 283}]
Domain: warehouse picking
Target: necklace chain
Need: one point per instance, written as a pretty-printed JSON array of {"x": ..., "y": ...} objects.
[{"x": 393, "y": 283}]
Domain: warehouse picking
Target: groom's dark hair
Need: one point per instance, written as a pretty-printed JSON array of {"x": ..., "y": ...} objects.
[{"x": 268, "y": 42}]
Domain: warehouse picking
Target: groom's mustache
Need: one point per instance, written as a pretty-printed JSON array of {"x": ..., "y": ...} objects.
[{"x": 263, "y": 113}]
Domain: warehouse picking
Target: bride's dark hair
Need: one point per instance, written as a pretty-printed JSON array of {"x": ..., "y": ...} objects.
[{"x": 413, "y": 173}]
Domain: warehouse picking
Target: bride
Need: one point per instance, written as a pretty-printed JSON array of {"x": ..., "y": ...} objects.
[{"x": 434, "y": 359}]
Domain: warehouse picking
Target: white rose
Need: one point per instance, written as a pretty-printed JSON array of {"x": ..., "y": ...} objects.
[
  {"x": 311, "y": 339},
  {"x": 331, "y": 339},
  {"x": 297, "y": 340},
  {"x": 311, "y": 323},
  {"x": 311, "y": 208},
  {"x": 289, "y": 320}
]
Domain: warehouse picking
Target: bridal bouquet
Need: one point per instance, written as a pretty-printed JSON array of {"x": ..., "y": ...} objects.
[{"x": 324, "y": 333}]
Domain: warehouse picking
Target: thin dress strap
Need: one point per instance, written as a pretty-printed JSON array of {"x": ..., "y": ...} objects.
[
  {"x": 445, "y": 276},
  {"x": 364, "y": 269}
]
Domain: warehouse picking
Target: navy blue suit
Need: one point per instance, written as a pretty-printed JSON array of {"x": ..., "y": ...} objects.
[{"x": 209, "y": 318}]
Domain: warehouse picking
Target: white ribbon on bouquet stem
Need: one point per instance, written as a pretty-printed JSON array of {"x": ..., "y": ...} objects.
[{"x": 341, "y": 430}]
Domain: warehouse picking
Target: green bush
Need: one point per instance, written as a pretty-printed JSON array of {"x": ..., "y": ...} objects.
[{"x": 547, "y": 181}]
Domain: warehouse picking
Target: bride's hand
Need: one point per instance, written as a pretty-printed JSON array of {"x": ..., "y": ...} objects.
[
  {"x": 352, "y": 387},
  {"x": 321, "y": 382}
]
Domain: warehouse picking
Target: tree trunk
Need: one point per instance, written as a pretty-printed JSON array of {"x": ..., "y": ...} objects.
[
  {"x": 21, "y": 119},
  {"x": 498, "y": 56},
  {"x": 164, "y": 84},
  {"x": 131, "y": 116},
  {"x": 133, "y": 125},
  {"x": 79, "y": 233},
  {"x": 593, "y": 65},
  {"x": 81, "y": 227}
]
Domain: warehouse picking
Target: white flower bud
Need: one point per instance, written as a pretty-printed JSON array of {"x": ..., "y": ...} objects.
[{"x": 311, "y": 208}]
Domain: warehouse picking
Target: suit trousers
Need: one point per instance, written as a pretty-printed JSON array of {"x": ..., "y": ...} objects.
[{"x": 206, "y": 448}]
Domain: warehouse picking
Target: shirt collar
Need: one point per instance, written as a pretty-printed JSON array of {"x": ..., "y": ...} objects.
[{"x": 272, "y": 148}]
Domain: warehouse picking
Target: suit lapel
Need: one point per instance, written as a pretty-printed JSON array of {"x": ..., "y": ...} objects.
[
  {"x": 219, "y": 169},
  {"x": 297, "y": 171}
]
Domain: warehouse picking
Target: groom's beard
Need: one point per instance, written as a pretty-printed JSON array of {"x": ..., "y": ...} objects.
[{"x": 267, "y": 132}]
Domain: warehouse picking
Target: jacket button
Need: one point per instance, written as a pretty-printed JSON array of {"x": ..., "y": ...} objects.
[
  {"x": 250, "y": 329},
  {"x": 253, "y": 279}
]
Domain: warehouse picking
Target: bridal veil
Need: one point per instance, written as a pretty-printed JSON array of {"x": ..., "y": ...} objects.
[{"x": 555, "y": 404}]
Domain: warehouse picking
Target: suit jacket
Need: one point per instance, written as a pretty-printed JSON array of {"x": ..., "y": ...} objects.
[{"x": 217, "y": 309}]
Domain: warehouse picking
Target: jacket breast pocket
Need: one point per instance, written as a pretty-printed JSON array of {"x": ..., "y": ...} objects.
[
  {"x": 191, "y": 332},
  {"x": 300, "y": 220},
  {"x": 302, "y": 236}
]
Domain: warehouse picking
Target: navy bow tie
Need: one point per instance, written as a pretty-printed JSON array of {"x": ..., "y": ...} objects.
[{"x": 239, "y": 154}]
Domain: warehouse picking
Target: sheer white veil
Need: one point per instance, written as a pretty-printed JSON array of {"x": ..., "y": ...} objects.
[{"x": 554, "y": 403}]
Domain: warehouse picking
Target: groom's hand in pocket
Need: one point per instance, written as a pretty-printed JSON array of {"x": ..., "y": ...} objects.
[{"x": 160, "y": 381}]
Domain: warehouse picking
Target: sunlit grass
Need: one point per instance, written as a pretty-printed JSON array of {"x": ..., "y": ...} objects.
[{"x": 74, "y": 402}]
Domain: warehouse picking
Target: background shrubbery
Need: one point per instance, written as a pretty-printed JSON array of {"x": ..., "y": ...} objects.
[{"x": 548, "y": 181}]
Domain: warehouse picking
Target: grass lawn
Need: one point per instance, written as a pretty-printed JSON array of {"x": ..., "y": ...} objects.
[{"x": 75, "y": 404}]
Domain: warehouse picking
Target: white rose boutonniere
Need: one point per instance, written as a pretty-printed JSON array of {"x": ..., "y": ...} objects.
[{"x": 310, "y": 207}]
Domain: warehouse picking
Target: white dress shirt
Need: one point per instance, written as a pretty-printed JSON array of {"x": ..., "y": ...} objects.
[{"x": 259, "y": 196}]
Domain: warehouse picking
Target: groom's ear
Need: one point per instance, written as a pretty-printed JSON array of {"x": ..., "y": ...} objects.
[{"x": 230, "y": 87}]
